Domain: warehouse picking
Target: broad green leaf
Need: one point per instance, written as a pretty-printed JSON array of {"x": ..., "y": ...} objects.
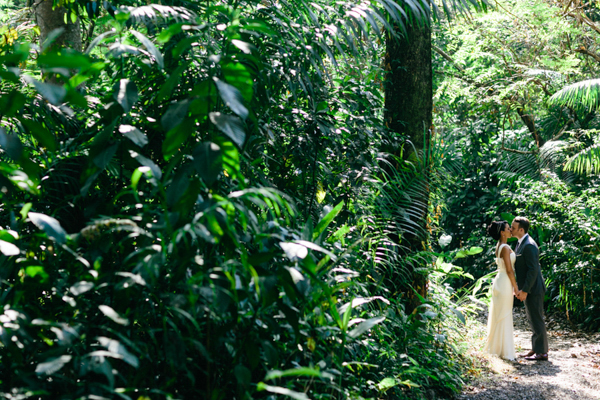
[
  {"x": 360, "y": 301},
  {"x": 103, "y": 159},
  {"x": 41, "y": 134},
  {"x": 365, "y": 326},
  {"x": 156, "y": 172},
  {"x": 52, "y": 366},
  {"x": 11, "y": 145},
  {"x": 237, "y": 75},
  {"x": 119, "y": 351},
  {"x": 281, "y": 390},
  {"x": 242, "y": 375},
  {"x": 166, "y": 34},
  {"x": 175, "y": 115},
  {"x": 208, "y": 161},
  {"x": 50, "y": 226},
  {"x": 316, "y": 247},
  {"x": 232, "y": 98},
  {"x": 177, "y": 136},
  {"x": 36, "y": 270},
  {"x": 294, "y": 251},
  {"x": 51, "y": 92},
  {"x": 125, "y": 93},
  {"x": 64, "y": 59},
  {"x": 9, "y": 235},
  {"x": 231, "y": 126},
  {"x": 386, "y": 383},
  {"x": 112, "y": 314},
  {"x": 150, "y": 47},
  {"x": 444, "y": 240},
  {"x": 134, "y": 134},
  {"x": 326, "y": 220},
  {"x": 81, "y": 287},
  {"x": 11, "y": 102},
  {"x": 8, "y": 249}
]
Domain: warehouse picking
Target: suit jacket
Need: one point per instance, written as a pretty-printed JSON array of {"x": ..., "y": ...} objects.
[{"x": 527, "y": 268}]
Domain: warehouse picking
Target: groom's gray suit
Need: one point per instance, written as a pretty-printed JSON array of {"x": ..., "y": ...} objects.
[{"x": 530, "y": 280}]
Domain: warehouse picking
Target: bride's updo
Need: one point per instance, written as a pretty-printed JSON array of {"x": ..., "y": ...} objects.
[{"x": 495, "y": 228}]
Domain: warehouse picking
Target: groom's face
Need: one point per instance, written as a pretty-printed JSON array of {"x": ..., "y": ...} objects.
[{"x": 516, "y": 231}]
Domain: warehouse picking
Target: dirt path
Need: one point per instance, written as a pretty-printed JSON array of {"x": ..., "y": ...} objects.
[{"x": 572, "y": 371}]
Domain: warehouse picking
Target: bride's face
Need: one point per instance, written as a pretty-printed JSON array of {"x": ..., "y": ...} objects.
[{"x": 506, "y": 232}]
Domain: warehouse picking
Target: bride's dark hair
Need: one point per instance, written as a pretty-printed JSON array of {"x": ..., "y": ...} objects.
[{"x": 495, "y": 228}]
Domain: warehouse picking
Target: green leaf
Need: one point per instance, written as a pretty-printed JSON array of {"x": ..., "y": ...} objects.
[
  {"x": 208, "y": 161},
  {"x": 100, "y": 39},
  {"x": 50, "y": 226},
  {"x": 175, "y": 115},
  {"x": 146, "y": 162},
  {"x": 125, "y": 93},
  {"x": 237, "y": 75},
  {"x": 41, "y": 134},
  {"x": 11, "y": 102},
  {"x": 232, "y": 98},
  {"x": 65, "y": 59},
  {"x": 104, "y": 157},
  {"x": 53, "y": 93},
  {"x": 81, "y": 288},
  {"x": 365, "y": 326},
  {"x": 150, "y": 47},
  {"x": 231, "y": 126},
  {"x": 112, "y": 314},
  {"x": 117, "y": 350},
  {"x": 52, "y": 366},
  {"x": 134, "y": 134},
  {"x": 302, "y": 371},
  {"x": 242, "y": 375},
  {"x": 36, "y": 270},
  {"x": 280, "y": 390},
  {"x": 294, "y": 251},
  {"x": 11, "y": 145},
  {"x": 8, "y": 249},
  {"x": 167, "y": 88},
  {"x": 326, "y": 220},
  {"x": 50, "y": 38},
  {"x": 386, "y": 383},
  {"x": 177, "y": 136},
  {"x": 166, "y": 34}
]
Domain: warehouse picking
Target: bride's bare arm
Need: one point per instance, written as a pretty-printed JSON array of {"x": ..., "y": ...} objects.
[{"x": 509, "y": 268}]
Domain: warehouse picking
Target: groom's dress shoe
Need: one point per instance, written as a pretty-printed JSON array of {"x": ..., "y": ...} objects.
[
  {"x": 531, "y": 353},
  {"x": 538, "y": 357}
]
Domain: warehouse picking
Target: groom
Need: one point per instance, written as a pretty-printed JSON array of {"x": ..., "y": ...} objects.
[{"x": 532, "y": 288}]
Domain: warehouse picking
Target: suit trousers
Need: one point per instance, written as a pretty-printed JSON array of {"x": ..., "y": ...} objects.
[{"x": 534, "y": 307}]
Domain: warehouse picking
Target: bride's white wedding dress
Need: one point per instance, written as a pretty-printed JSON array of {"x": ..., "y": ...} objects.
[{"x": 500, "y": 340}]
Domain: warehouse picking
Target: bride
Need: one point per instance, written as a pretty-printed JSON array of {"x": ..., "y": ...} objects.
[{"x": 500, "y": 339}]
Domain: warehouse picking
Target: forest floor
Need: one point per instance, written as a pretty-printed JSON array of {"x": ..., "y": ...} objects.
[{"x": 572, "y": 371}]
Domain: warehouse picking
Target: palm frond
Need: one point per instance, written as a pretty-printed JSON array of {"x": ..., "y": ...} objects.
[
  {"x": 586, "y": 162},
  {"x": 584, "y": 94},
  {"x": 155, "y": 12}
]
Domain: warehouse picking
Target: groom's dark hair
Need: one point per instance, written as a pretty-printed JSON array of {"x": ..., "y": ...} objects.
[{"x": 523, "y": 223}]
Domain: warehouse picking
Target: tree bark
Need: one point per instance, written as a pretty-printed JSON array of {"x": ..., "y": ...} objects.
[
  {"x": 408, "y": 114},
  {"x": 50, "y": 18}
]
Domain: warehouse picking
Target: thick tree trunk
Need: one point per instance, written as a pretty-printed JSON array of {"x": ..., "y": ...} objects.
[
  {"x": 50, "y": 18},
  {"x": 408, "y": 114}
]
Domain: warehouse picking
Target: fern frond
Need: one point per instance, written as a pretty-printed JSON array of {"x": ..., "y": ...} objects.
[
  {"x": 586, "y": 162},
  {"x": 584, "y": 94}
]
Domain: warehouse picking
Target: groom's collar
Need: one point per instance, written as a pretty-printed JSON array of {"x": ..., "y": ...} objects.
[{"x": 523, "y": 238}]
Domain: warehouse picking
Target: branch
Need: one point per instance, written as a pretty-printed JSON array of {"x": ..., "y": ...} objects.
[
  {"x": 530, "y": 123},
  {"x": 582, "y": 18},
  {"x": 518, "y": 151},
  {"x": 448, "y": 58},
  {"x": 585, "y": 51},
  {"x": 562, "y": 130}
]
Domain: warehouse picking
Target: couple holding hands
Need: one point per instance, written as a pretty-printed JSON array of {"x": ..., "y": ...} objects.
[{"x": 528, "y": 287}]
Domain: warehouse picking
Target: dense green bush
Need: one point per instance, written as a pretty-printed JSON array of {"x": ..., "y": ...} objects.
[{"x": 189, "y": 211}]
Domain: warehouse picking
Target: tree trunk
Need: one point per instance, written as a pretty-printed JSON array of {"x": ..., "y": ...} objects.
[
  {"x": 408, "y": 114},
  {"x": 50, "y": 18}
]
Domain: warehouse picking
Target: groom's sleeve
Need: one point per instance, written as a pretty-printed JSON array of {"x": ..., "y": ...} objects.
[{"x": 530, "y": 256}]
